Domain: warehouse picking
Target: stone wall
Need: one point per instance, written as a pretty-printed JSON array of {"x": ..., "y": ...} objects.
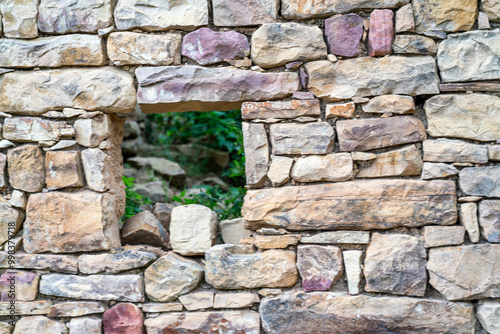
[{"x": 372, "y": 142}]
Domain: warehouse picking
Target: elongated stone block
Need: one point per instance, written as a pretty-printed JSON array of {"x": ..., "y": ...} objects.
[
  {"x": 306, "y": 138},
  {"x": 58, "y": 263},
  {"x": 280, "y": 109},
  {"x": 381, "y": 32},
  {"x": 185, "y": 88},
  {"x": 360, "y": 205},
  {"x": 448, "y": 150}
]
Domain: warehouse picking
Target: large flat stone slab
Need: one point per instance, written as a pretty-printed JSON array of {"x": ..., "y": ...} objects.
[
  {"x": 105, "y": 89},
  {"x": 57, "y": 263},
  {"x": 327, "y": 312},
  {"x": 389, "y": 75},
  {"x": 360, "y": 205},
  {"x": 195, "y": 88}
]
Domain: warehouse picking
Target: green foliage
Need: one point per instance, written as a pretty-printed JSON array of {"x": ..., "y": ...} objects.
[{"x": 133, "y": 199}]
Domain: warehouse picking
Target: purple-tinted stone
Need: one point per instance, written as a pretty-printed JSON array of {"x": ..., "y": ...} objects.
[
  {"x": 124, "y": 318},
  {"x": 319, "y": 266},
  {"x": 293, "y": 65},
  {"x": 303, "y": 96},
  {"x": 343, "y": 34},
  {"x": 18, "y": 285},
  {"x": 304, "y": 78},
  {"x": 206, "y": 46},
  {"x": 381, "y": 33}
]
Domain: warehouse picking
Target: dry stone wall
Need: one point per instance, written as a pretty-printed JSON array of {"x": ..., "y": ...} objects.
[{"x": 372, "y": 142}]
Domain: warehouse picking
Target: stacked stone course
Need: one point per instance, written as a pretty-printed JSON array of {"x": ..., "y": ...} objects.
[{"x": 372, "y": 142}]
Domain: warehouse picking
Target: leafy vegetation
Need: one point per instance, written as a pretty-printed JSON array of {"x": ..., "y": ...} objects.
[{"x": 133, "y": 199}]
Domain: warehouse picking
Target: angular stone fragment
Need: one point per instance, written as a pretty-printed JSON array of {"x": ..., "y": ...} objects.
[
  {"x": 381, "y": 32},
  {"x": 369, "y": 134},
  {"x": 85, "y": 325},
  {"x": 233, "y": 231},
  {"x": 206, "y": 46},
  {"x": 71, "y": 50},
  {"x": 161, "y": 15},
  {"x": 468, "y": 218},
  {"x": 389, "y": 75},
  {"x": 235, "y": 300},
  {"x": 193, "y": 229},
  {"x": 144, "y": 228},
  {"x": 5, "y": 328},
  {"x": 106, "y": 89},
  {"x": 343, "y": 34},
  {"x": 63, "y": 169},
  {"x": 28, "y": 129},
  {"x": 279, "y": 170},
  {"x": 114, "y": 263},
  {"x": 488, "y": 313},
  {"x": 276, "y": 241},
  {"x": 444, "y": 15},
  {"x": 363, "y": 205},
  {"x": 331, "y": 167},
  {"x": 470, "y": 56},
  {"x": 280, "y": 109},
  {"x": 437, "y": 170},
  {"x": 171, "y": 171},
  {"x": 19, "y": 18},
  {"x": 303, "y": 9},
  {"x": 405, "y": 21},
  {"x": 161, "y": 308},
  {"x": 238, "y": 267},
  {"x": 308, "y": 138},
  {"x": 352, "y": 265},
  {"x": 247, "y": 322},
  {"x": 480, "y": 181},
  {"x": 123, "y": 318},
  {"x": 395, "y": 264},
  {"x": 447, "y": 150},
  {"x": 67, "y": 16},
  {"x": 94, "y": 287},
  {"x": 60, "y": 222},
  {"x": 275, "y": 44},
  {"x": 338, "y": 237},
  {"x": 25, "y": 285},
  {"x": 233, "y": 13},
  {"x": 76, "y": 309},
  {"x": 257, "y": 157},
  {"x": 163, "y": 212},
  {"x": 492, "y": 9},
  {"x": 319, "y": 266},
  {"x": 97, "y": 169},
  {"x": 489, "y": 219},
  {"x": 437, "y": 236},
  {"x": 11, "y": 221},
  {"x": 91, "y": 132},
  {"x": 27, "y": 308},
  {"x": 187, "y": 87},
  {"x": 465, "y": 272},
  {"x": 402, "y": 162},
  {"x": 345, "y": 110},
  {"x": 58, "y": 263},
  {"x": 396, "y": 104},
  {"x": 327, "y": 312},
  {"x": 197, "y": 300},
  {"x": 130, "y": 48},
  {"x": 38, "y": 325},
  {"x": 414, "y": 44},
  {"x": 171, "y": 276},
  {"x": 494, "y": 152},
  {"x": 3, "y": 164},
  {"x": 25, "y": 166}
]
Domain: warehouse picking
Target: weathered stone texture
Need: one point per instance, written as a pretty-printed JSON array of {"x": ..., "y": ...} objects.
[
  {"x": 465, "y": 272},
  {"x": 437, "y": 236},
  {"x": 245, "y": 12},
  {"x": 352, "y": 266},
  {"x": 38, "y": 325},
  {"x": 31, "y": 129},
  {"x": 238, "y": 267},
  {"x": 381, "y": 32},
  {"x": 256, "y": 148},
  {"x": 448, "y": 150},
  {"x": 402, "y": 162},
  {"x": 123, "y": 318},
  {"x": 63, "y": 169},
  {"x": 414, "y": 44},
  {"x": 25, "y": 166},
  {"x": 144, "y": 228},
  {"x": 492, "y": 9},
  {"x": 471, "y": 116},
  {"x": 85, "y": 325},
  {"x": 70, "y": 222},
  {"x": 366, "y": 204},
  {"x": 444, "y": 15},
  {"x": 76, "y": 309},
  {"x": 276, "y": 241},
  {"x": 280, "y": 109},
  {"x": 437, "y": 170},
  {"x": 106, "y": 89},
  {"x": 338, "y": 237},
  {"x": 114, "y": 263},
  {"x": 3, "y": 164},
  {"x": 343, "y": 34},
  {"x": 58, "y": 263},
  {"x": 396, "y": 104},
  {"x": 97, "y": 167},
  {"x": 489, "y": 220},
  {"x": 130, "y": 48},
  {"x": 276, "y": 44},
  {"x": 11, "y": 220},
  {"x": 197, "y": 300},
  {"x": 235, "y": 300},
  {"x": 405, "y": 22},
  {"x": 388, "y": 75},
  {"x": 468, "y": 218},
  {"x": 27, "y": 308},
  {"x": 19, "y": 18},
  {"x": 319, "y": 266},
  {"x": 307, "y": 138},
  {"x": 233, "y": 230},
  {"x": 480, "y": 181},
  {"x": 187, "y": 87},
  {"x": 25, "y": 285},
  {"x": 330, "y": 167},
  {"x": 488, "y": 313},
  {"x": 344, "y": 110}
]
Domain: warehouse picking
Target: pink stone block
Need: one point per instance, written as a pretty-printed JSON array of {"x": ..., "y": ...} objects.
[
  {"x": 381, "y": 33},
  {"x": 124, "y": 318}
]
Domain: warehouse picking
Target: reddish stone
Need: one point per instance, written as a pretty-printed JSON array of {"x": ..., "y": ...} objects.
[
  {"x": 206, "y": 46},
  {"x": 381, "y": 33},
  {"x": 124, "y": 318},
  {"x": 343, "y": 34}
]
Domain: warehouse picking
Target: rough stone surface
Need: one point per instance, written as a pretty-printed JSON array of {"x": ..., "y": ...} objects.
[
  {"x": 206, "y": 46},
  {"x": 352, "y": 265},
  {"x": 161, "y": 15},
  {"x": 91, "y": 132},
  {"x": 235, "y": 300},
  {"x": 187, "y": 87},
  {"x": 197, "y": 300},
  {"x": 63, "y": 169},
  {"x": 470, "y": 56},
  {"x": 448, "y": 150},
  {"x": 67, "y": 16},
  {"x": 161, "y": 307},
  {"x": 171, "y": 276},
  {"x": 468, "y": 218},
  {"x": 144, "y": 228},
  {"x": 396, "y": 104},
  {"x": 402, "y": 162},
  {"x": 488, "y": 313},
  {"x": 30, "y": 129},
  {"x": 85, "y": 325},
  {"x": 238, "y": 267},
  {"x": 489, "y": 220},
  {"x": 414, "y": 44},
  {"x": 494, "y": 152},
  {"x": 381, "y": 32},
  {"x": 331, "y": 167},
  {"x": 444, "y": 15},
  {"x": 437, "y": 170},
  {"x": 492, "y": 9},
  {"x": 405, "y": 22},
  {"x": 233, "y": 231},
  {"x": 70, "y": 222},
  {"x": 480, "y": 181},
  {"x": 106, "y": 89},
  {"x": 275, "y": 44},
  {"x": 123, "y": 318},
  {"x": 389, "y": 75},
  {"x": 257, "y": 153},
  {"x": 25, "y": 282},
  {"x": 11, "y": 221},
  {"x": 395, "y": 264},
  {"x": 327, "y": 312},
  {"x": 94, "y": 287},
  {"x": 343, "y": 34},
  {"x": 279, "y": 170},
  {"x": 247, "y": 322},
  {"x": 39, "y": 324},
  {"x": 369, "y": 134},
  {"x": 3, "y": 164},
  {"x": 363, "y": 204},
  {"x": 193, "y": 229},
  {"x": 130, "y": 48},
  {"x": 114, "y": 263},
  {"x": 171, "y": 171},
  {"x": 76, "y": 309},
  {"x": 19, "y": 18},
  {"x": 25, "y": 166},
  {"x": 437, "y": 236},
  {"x": 97, "y": 169},
  {"x": 27, "y": 308},
  {"x": 276, "y": 241},
  {"x": 465, "y": 272},
  {"x": 344, "y": 110},
  {"x": 307, "y": 138},
  {"x": 57, "y": 263},
  {"x": 280, "y": 109},
  {"x": 245, "y": 12},
  {"x": 319, "y": 266},
  {"x": 338, "y": 237}
]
